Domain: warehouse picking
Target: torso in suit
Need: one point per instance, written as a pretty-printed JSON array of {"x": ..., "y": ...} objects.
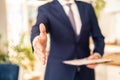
[{"x": 64, "y": 43}]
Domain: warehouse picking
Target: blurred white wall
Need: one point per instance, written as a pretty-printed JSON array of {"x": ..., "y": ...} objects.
[
  {"x": 17, "y": 20},
  {"x": 110, "y": 21}
]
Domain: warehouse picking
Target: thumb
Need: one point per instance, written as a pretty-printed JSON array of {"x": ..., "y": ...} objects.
[
  {"x": 93, "y": 57},
  {"x": 42, "y": 29},
  {"x": 43, "y": 35}
]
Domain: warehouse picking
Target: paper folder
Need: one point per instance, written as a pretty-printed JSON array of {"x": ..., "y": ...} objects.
[{"x": 79, "y": 62}]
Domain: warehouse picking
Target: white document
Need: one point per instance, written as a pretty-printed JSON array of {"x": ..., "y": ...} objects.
[{"x": 79, "y": 62}]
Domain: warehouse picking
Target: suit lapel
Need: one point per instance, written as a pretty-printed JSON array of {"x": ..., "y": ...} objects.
[
  {"x": 82, "y": 15},
  {"x": 81, "y": 11}
]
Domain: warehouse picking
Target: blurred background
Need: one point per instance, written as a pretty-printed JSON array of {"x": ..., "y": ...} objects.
[{"x": 17, "y": 18}]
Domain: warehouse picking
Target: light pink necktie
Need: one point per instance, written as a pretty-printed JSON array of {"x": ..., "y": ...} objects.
[{"x": 70, "y": 16}]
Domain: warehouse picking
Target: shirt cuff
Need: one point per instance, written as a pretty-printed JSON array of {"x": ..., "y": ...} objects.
[{"x": 98, "y": 54}]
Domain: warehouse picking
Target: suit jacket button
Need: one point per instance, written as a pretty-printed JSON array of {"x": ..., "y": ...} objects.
[{"x": 78, "y": 69}]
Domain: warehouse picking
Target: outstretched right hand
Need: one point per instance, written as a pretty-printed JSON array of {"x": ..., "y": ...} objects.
[{"x": 39, "y": 44}]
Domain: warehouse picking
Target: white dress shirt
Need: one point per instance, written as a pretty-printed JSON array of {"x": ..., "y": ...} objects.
[{"x": 75, "y": 11}]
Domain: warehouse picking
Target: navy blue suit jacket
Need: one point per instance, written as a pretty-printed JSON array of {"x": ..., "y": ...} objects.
[{"x": 64, "y": 43}]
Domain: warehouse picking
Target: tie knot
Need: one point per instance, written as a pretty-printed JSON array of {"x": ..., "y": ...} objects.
[{"x": 69, "y": 4}]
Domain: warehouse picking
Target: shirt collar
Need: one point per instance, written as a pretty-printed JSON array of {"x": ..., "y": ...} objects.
[{"x": 64, "y": 2}]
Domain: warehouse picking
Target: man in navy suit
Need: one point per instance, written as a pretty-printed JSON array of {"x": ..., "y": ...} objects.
[{"x": 67, "y": 43}]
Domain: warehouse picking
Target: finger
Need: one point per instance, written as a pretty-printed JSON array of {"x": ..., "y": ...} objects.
[
  {"x": 39, "y": 51},
  {"x": 35, "y": 41},
  {"x": 44, "y": 60},
  {"x": 41, "y": 57},
  {"x": 90, "y": 57},
  {"x": 93, "y": 57},
  {"x": 92, "y": 66},
  {"x": 39, "y": 47}
]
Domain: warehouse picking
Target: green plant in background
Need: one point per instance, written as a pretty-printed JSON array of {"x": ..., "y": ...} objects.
[
  {"x": 24, "y": 56},
  {"x": 98, "y": 6},
  {"x": 4, "y": 57}
]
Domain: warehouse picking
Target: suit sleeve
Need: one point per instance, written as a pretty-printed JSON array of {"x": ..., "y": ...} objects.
[
  {"x": 97, "y": 36},
  {"x": 41, "y": 18}
]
